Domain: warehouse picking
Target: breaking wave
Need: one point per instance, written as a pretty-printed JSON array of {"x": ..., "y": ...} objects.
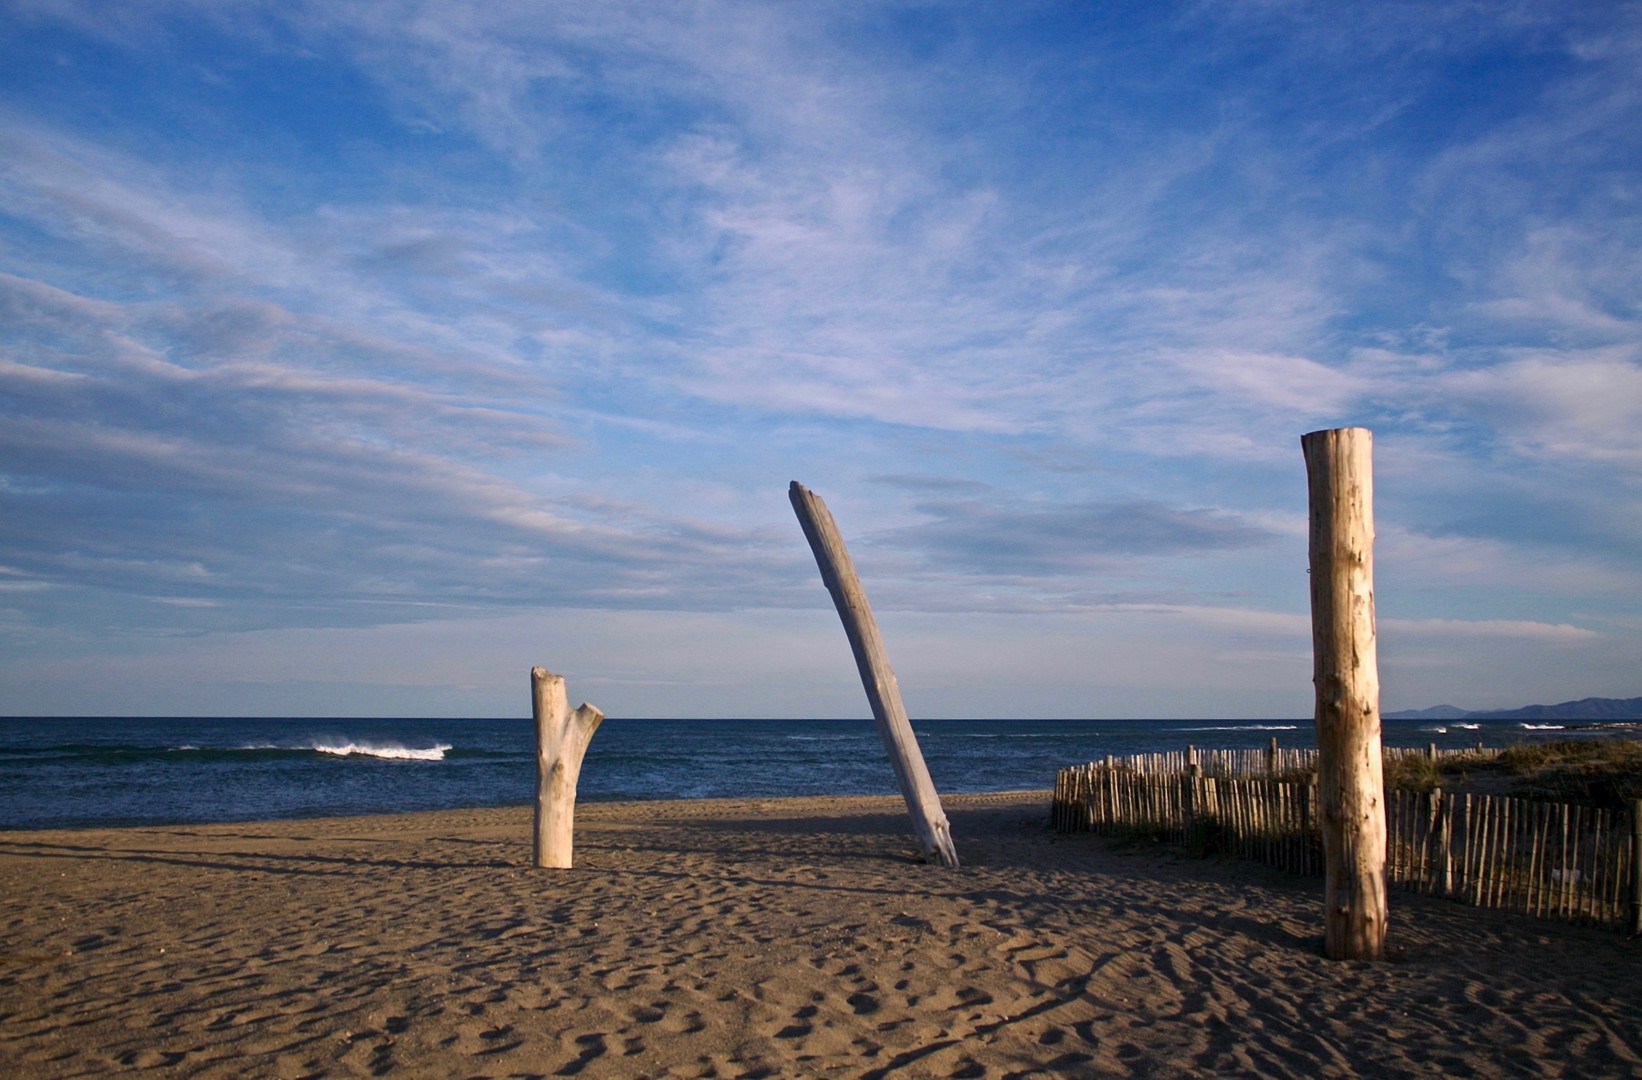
[
  {"x": 390, "y": 751},
  {"x": 1247, "y": 727}
]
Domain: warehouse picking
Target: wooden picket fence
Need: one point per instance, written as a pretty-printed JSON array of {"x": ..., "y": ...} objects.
[
  {"x": 1268, "y": 820},
  {"x": 1551, "y": 860},
  {"x": 1272, "y": 760},
  {"x": 1573, "y": 863}
]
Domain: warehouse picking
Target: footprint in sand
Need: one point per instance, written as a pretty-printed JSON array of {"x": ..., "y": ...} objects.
[
  {"x": 649, "y": 1014},
  {"x": 498, "y": 1040},
  {"x": 801, "y": 1025},
  {"x": 688, "y": 1024},
  {"x": 592, "y": 1048}
]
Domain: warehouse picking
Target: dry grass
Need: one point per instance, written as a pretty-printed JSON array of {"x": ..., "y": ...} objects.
[
  {"x": 1586, "y": 772},
  {"x": 1605, "y": 773},
  {"x": 1412, "y": 774}
]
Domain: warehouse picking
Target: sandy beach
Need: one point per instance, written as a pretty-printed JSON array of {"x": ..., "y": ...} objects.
[{"x": 728, "y": 938}]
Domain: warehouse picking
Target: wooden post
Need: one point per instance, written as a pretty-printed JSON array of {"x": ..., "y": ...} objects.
[
  {"x": 1271, "y": 756},
  {"x": 562, "y": 735},
  {"x": 1636, "y": 866},
  {"x": 1429, "y": 850},
  {"x": 883, "y": 693},
  {"x": 1339, "y": 471}
]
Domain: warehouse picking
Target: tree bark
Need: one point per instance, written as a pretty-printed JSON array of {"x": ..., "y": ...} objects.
[
  {"x": 883, "y": 694},
  {"x": 1351, "y": 790},
  {"x": 562, "y": 735}
]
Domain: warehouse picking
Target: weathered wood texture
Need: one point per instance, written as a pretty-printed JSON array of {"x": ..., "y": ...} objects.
[
  {"x": 1339, "y": 472},
  {"x": 562, "y": 735},
  {"x": 929, "y": 822}
]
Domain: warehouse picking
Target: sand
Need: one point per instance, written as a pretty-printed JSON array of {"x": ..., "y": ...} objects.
[{"x": 727, "y": 938}]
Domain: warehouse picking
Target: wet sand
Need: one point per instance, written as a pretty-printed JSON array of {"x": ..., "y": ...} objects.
[{"x": 728, "y": 938}]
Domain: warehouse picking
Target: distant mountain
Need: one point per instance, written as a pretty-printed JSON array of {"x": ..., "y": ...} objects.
[
  {"x": 1435, "y": 712},
  {"x": 1591, "y": 708}
]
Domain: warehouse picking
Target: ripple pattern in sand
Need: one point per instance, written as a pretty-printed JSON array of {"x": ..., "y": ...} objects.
[{"x": 751, "y": 939}]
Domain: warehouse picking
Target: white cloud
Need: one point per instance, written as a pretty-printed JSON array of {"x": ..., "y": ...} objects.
[
  {"x": 1293, "y": 384},
  {"x": 1562, "y": 405},
  {"x": 1484, "y": 628}
]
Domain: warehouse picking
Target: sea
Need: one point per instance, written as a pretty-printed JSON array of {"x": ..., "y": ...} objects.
[{"x": 78, "y": 772}]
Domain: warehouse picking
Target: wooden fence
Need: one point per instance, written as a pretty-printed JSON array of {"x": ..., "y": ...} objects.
[
  {"x": 1551, "y": 860},
  {"x": 1573, "y": 863},
  {"x": 1272, "y": 760},
  {"x": 1268, "y": 820}
]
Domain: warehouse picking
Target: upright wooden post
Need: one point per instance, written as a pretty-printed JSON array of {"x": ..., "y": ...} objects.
[
  {"x": 1636, "y": 866},
  {"x": 883, "y": 693},
  {"x": 1351, "y": 790},
  {"x": 562, "y": 735}
]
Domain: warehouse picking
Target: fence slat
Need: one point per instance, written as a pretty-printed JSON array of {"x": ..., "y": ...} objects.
[{"x": 1545, "y": 860}]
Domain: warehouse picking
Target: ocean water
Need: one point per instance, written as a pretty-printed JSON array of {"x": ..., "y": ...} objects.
[{"x": 57, "y": 772}]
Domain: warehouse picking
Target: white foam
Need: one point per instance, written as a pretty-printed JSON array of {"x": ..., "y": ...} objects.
[
  {"x": 391, "y": 751},
  {"x": 1247, "y": 727},
  {"x": 1468, "y": 727},
  {"x": 1542, "y": 727}
]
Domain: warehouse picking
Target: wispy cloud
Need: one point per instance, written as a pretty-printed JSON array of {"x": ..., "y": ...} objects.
[
  {"x": 283, "y": 431},
  {"x": 1486, "y": 628},
  {"x": 1063, "y": 541}
]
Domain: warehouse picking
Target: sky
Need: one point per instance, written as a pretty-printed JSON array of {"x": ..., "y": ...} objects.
[{"x": 357, "y": 356}]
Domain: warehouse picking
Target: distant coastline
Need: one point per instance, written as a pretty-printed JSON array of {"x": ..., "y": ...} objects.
[{"x": 1591, "y": 708}]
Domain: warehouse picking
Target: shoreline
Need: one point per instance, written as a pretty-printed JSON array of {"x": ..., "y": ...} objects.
[
  {"x": 525, "y": 806},
  {"x": 754, "y": 937}
]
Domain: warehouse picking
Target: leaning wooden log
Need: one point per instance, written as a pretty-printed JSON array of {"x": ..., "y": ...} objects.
[
  {"x": 929, "y": 822},
  {"x": 1339, "y": 472},
  {"x": 562, "y": 735}
]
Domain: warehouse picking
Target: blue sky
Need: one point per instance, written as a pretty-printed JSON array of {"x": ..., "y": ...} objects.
[{"x": 356, "y": 357}]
